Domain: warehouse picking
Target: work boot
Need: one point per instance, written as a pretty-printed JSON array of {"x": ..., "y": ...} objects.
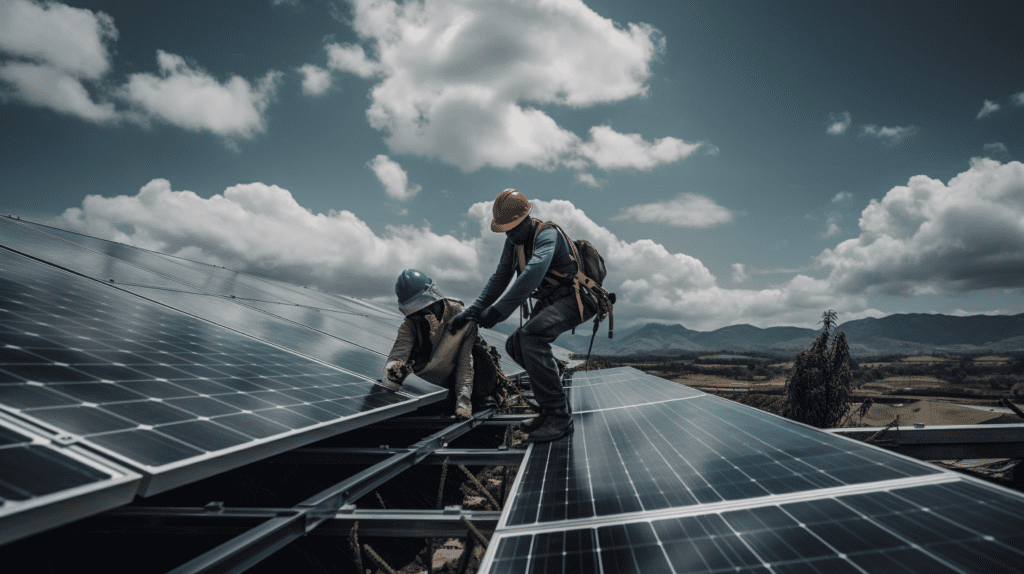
[
  {"x": 557, "y": 423},
  {"x": 530, "y": 425}
]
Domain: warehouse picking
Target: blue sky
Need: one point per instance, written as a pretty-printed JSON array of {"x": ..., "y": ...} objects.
[{"x": 735, "y": 162}]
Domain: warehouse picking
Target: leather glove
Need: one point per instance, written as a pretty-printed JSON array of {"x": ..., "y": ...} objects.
[
  {"x": 460, "y": 320},
  {"x": 396, "y": 371},
  {"x": 488, "y": 318}
]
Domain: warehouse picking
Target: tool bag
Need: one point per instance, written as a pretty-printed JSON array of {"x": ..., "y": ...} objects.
[{"x": 586, "y": 282}]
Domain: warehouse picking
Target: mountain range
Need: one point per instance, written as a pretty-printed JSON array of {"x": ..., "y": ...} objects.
[{"x": 905, "y": 333}]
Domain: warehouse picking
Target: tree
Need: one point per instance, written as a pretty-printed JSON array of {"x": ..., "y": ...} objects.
[{"x": 818, "y": 388}]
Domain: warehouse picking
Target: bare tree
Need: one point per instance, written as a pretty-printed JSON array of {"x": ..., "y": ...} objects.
[{"x": 818, "y": 388}]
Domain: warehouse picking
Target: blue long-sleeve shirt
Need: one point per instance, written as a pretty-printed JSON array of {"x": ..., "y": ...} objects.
[{"x": 551, "y": 251}]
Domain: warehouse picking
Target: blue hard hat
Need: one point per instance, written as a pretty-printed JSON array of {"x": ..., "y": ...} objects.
[{"x": 411, "y": 284}]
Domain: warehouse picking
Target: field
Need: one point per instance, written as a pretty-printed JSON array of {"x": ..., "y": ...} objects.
[{"x": 935, "y": 390}]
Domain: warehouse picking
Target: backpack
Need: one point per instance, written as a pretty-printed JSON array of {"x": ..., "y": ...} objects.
[{"x": 590, "y": 273}]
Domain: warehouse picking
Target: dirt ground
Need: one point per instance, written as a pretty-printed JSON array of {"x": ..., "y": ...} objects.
[{"x": 928, "y": 412}]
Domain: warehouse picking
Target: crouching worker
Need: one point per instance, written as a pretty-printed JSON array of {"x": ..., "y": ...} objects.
[{"x": 457, "y": 360}]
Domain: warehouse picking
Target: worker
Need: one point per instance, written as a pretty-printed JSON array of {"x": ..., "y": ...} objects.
[
  {"x": 556, "y": 310},
  {"x": 455, "y": 359}
]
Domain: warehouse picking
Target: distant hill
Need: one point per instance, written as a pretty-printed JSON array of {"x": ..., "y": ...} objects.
[{"x": 908, "y": 333}]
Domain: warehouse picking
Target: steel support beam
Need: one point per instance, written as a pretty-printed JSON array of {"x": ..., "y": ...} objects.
[
  {"x": 244, "y": 551},
  {"x": 419, "y": 423},
  {"x": 947, "y": 442},
  {"x": 234, "y": 521},
  {"x": 346, "y": 455}
]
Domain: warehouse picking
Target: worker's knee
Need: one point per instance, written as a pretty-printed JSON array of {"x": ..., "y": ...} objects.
[{"x": 512, "y": 346}]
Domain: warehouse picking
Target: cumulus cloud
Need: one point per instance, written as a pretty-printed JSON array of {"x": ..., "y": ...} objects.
[
  {"x": 928, "y": 237},
  {"x": 608, "y": 149},
  {"x": 393, "y": 177},
  {"x": 1018, "y": 99},
  {"x": 889, "y": 136},
  {"x": 840, "y": 123},
  {"x": 189, "y": 97},
  {"x": 996, "y": 151},
  {"x": 988, "y": 108},
  {"x": 315, "y": 80},
  {"x": 52, "y": 52},
  {"x": 457, "y": 82},
  {"x": 832, "y": 229},
  {"x": 685, "y": 210},
  {"x": 261, "y": 229},
  {"x": 588, "y": 179},
  {"x": 842, "y": 196},
  {"x": 739, "y": 273},
  {"x": 351, "y": 58}
]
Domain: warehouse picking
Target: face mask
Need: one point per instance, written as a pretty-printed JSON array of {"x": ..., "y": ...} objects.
[{"x": 519, "y": 234}]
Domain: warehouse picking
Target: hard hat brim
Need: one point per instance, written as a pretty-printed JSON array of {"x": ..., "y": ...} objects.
[{"x": 503, "y": 227}]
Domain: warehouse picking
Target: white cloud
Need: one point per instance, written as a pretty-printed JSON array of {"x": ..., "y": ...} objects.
[
  {"x": 840, "y": 123},
  {"x": 996, "y": 151},
  {"x": 55, "y": 50},
  {"x": 261, "y": 229},
  {"x": 588, "y": 179},
  {"x": 833, "y": 228},
  {"x": 739, "y": 273},
  {"x": 351, "y": 58},
  {"x": 928, "y": 237},
  {"x": 460, "y": 81},
  {"x": 48, "y": 87},
  {"x": 393, "y": 177},
  {"x": 889, "y": 136},
  {"x": 988, "y": 108},
  {"x": 315, "y": 80},
  {"x": 608, "y": 149},
  {"x": 685, "y": 210},
  {"x": 842, "y": 196},
  {"x": 1018, "y": 99},
  {"x": 192, "y": 99}
]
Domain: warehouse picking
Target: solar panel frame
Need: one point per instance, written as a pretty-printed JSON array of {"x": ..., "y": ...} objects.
[{"x": 22, "y": 518}]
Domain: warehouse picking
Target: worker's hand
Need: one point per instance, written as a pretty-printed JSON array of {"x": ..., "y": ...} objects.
[
  {"x": 396, "y": 371},
  {"x": 460, "y": 320},
  {"x": 488, "y": 318}
]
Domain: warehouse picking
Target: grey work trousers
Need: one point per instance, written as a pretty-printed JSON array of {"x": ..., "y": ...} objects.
[{"x": 530, "y": 346}]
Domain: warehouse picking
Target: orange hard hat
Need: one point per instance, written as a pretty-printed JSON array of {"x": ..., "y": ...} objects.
[{"x": 510, "y": 208}]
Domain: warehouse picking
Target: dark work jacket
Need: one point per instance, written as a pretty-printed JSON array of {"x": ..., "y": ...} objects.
[{"x": 550, "y": 251}]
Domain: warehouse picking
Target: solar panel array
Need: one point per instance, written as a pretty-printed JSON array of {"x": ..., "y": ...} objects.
[
  {"x": 165, "y": 381},
  {"x": 659, "y": 477}
]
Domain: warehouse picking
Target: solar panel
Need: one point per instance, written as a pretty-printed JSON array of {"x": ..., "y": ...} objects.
[
  {"x": 37, "y": 474},
  {"x": 958, "y": 526},
  {"x": 166, "y": 392},
  {"x": 664, "y": 479},
  {"x": 685, "y": 452},
  {"x": 349, "y": 319}
]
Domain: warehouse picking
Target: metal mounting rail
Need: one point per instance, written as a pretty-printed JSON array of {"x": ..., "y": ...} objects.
[
  {"x": 399, "y": 423},
  {"x": 214, "y": 519},
  {"x": 347, "y": 455},
  {"x": 244, "y": 551},
  {"x": 947, "y": 441}
]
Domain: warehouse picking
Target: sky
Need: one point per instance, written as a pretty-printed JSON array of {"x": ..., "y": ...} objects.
[{"x": 734, "y": 162}]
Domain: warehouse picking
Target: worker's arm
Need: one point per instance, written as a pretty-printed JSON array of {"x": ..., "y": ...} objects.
[
  {"x": 498, "y": 281},
  {"x": 400, "y": 351},
  {"x": 528, "y": 281}
]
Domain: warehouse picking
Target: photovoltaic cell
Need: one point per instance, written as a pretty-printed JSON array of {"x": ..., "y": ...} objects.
[
  {"x": 959, "y": 526},
  {"x": 686, "y": 452},
  {"x": 152, "y": 386},
  {"x": 612, "y": 388}
]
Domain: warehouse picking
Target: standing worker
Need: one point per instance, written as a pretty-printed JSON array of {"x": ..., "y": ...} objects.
[
  {"x": 559, "y": 307},
  {"x": 453, "y": 358}
]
